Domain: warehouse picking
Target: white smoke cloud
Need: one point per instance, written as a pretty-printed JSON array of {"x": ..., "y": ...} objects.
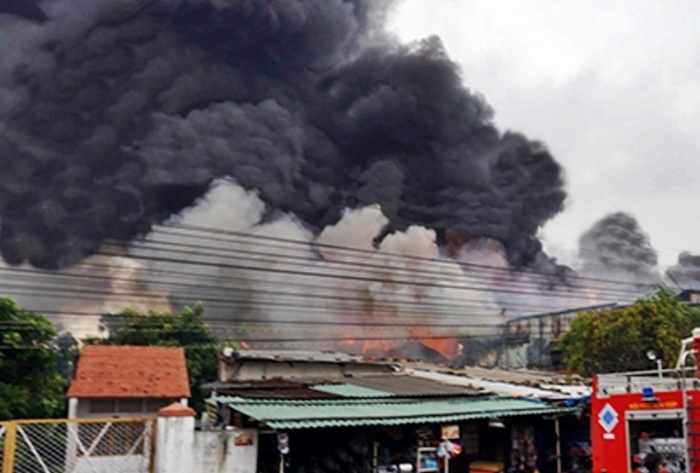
[{"x": 272, "y": 281}]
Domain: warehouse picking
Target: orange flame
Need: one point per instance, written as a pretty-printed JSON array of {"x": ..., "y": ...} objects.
[
  {"x": 446, "y": 347},
  {"x": 377, "y": 348}
]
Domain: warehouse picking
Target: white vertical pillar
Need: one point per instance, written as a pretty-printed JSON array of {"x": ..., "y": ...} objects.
[
  {"x": 72, "y": 434},
  {"x": 175, "y": 440},
  {"x": 73, "y": 407}
]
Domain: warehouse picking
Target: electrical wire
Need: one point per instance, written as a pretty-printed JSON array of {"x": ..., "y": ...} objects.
[
  {"x": 304, "y": 262},
  {"x": 226, "y": 289},
  {"x": 308, "y": 246},
  {"x": 257, "y": 237}
]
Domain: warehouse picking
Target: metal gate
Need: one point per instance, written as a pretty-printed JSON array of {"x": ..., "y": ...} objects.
[{"x": 77, "y": 446}]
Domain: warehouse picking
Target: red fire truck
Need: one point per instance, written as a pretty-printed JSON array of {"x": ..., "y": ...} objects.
[{"x": 637, "y": 414}]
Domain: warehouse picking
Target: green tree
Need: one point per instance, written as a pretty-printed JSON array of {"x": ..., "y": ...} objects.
[
  {"x": 30, "y": 385},
  {"x": 618, "y": 339},
  {"x": 158, "y": 328}
]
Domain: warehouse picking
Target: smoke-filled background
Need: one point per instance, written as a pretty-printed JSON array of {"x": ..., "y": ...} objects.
[
  {"x": 118, "y": 115},
  {"x": 304, "y": 120}
]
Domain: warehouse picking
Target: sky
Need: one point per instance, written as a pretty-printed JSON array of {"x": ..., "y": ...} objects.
[{"x": 612, "y": 88}]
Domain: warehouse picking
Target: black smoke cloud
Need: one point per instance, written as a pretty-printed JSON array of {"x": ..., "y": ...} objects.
[
  {"x": 124, "y": 115},
  {"x": 686, "y": 273},
  {"x": 28, "y": 9},
  {"x": 617, "y": 246}
]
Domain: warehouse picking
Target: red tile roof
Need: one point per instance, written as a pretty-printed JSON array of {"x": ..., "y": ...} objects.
[
  {"x": 176, "y": 410},
  {"x": 126, "y": 371}
]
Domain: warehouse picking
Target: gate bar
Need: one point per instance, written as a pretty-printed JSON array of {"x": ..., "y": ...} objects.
[{"x": 8, "y": 458}]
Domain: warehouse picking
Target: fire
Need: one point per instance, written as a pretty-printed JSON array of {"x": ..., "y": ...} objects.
[
  {"x": 446, "y": 347},
  {"x": 377, "y": 348}
]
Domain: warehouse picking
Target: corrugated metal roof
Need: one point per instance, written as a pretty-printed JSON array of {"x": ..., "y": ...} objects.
[
  {"x": 350, "y": 390},
  {"x": 256, "y": 384},
  {"x": 411, "y": 386},
  {"x": 305, "y": 393},
  {"x": 505, "y": 388},
  {"x": 298, "y": 355},
  {"x": 358, "y": 412},
  {"x": 269, "y": 388}
]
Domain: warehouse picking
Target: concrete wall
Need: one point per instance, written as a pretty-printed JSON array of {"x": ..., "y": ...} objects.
[
  {"x": 225, "y": 452},
  {"x": 181, "y": 449},
  {"x": 175, "y": 445}
]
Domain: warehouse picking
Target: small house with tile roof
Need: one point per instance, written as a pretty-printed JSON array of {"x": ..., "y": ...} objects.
[{"x": 127, "y": 381}]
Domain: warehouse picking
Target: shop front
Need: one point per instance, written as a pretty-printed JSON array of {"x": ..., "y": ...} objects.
[{"x": 409, "y": 435}]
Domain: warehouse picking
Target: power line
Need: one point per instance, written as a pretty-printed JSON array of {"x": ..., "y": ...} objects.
[
  {"x": 336, "y": 276},
  {"x": 394, "y": 303},
  {"x": 308, "y": 341},
  {"x": 175, "y": 226},
  {"x": 419, "y": 280},
  {"x": 305, "y": 262},
  {"x": 415, "y": 301},
  {"x": 451, "y": 262},
  {"x": 231, "y": 324},
  {"x": 215, "y": 278},
  {"x": 441, "y": 286},
  {"x": 258, "y": 303}
]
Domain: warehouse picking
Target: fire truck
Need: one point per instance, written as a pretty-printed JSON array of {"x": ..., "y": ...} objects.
[{"x": 637, "y": 414}]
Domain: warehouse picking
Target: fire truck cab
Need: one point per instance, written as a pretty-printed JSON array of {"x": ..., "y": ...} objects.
[{"x": 638, "y": 414}]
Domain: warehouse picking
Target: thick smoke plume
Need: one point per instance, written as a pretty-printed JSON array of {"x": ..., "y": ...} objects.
[
  {"x": 277, "y": 283},
  {"x": 686, "y": 273},
  {"x": 117, "y": 115},
  {"x": 617, "y": 246}
]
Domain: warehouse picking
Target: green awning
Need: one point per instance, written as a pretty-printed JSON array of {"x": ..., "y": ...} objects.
[{"x": 304, "y": 414}]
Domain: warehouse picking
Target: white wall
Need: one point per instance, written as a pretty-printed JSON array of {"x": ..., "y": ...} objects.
[
  {"x": 217, "y": 451},
  {"x": 181, "y": 449}
]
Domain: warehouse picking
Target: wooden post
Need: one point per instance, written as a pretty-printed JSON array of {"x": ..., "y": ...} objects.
[
  {"x": 8, "y": 456},
  {"x": 152, "y": 450},
  {"x": 558, "y": 451}
]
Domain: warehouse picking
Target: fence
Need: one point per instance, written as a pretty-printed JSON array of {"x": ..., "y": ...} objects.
[{"x": 77, "y": 446}]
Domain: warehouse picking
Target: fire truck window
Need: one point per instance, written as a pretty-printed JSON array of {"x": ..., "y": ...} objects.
[{"x": 661, "y": 436}]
